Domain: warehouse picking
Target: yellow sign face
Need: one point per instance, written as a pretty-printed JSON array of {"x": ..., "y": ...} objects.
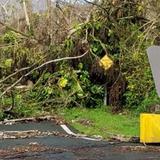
[
  {"x": 106, "y": 62},
  {"x": 150, "y": 128}
]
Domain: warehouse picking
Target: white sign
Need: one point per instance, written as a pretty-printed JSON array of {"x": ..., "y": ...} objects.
[{"x": 154, "y": 59}]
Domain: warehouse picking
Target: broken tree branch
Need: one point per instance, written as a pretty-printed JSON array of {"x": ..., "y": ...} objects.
[
  {"x": 42, "y": 65},
  {"x": 97, "y": 5},
  {"x": 56, "y": 60},
  {"x": 18, "y": 71}
]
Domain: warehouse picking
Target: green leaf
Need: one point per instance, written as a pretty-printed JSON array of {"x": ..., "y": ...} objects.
[
  {"x": 8, "y": 63},
  {"x": 62, "y": 82},
  {"x": 49, "y": 90},
  {"x": 95, "y": 49}
]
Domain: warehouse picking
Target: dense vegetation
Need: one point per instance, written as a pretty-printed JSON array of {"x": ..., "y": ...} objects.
[{"x": 35, "y": 80}]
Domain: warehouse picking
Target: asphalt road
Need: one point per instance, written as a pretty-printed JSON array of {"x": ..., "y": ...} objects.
[{"x": 61, "y": 146}]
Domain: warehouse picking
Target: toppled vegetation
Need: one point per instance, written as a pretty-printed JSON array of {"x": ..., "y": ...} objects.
[{"x": 52, "y": 58}]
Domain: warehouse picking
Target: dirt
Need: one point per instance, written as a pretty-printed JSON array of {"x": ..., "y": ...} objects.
[{"x": 45, "y": 140}]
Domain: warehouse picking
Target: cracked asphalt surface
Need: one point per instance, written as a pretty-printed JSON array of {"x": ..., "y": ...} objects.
[{"x": 64, "y": 147}]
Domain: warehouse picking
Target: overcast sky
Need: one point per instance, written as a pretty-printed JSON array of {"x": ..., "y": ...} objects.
[{"x": 37, "y": 4}]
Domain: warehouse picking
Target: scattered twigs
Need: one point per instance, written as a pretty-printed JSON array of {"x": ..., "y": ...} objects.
[
  {"x": 63, "y": 14},
  {"x": 97, "y": 5},
  {"x": 29, "y": 134},
  {"x": 13, "y": 85},
  {"x": 13, "y": 74},
  {"x": 32, "y": 119},
  {"x": 42, "y": 65}
]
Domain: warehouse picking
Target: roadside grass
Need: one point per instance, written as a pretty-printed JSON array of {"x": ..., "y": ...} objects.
[{"x": 101, "y": 122}]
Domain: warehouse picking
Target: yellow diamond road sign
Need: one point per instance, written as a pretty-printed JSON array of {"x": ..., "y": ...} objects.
[{"x": 106, "y": 62}]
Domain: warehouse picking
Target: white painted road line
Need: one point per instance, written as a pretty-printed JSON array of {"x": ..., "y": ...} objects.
[{"x": 68, "y": 131}]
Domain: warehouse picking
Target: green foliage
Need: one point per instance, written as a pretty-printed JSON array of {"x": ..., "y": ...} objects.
[
  {"x": 66, "y": 88},
  {"x": 69, "y": 44},
  {"x": 10, "y": 37},
  {"x": 126, "y": 39},
  {"x": 8, "y": 63},
  {"x": 151, "y": 100},
  {"x": 97, "y": 47},
  {"x": 117, "y": 30},
  {"x": 136, "y": 68}
]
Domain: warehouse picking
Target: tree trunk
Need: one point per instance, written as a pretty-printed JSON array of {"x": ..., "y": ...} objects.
[{"x": 26, "y": 15}]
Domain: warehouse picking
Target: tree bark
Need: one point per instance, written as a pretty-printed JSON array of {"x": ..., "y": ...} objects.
[{"x": 26, "y": 15}]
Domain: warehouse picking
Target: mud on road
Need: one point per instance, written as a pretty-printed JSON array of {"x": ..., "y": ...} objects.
[{"x": 46, "y": 140}]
